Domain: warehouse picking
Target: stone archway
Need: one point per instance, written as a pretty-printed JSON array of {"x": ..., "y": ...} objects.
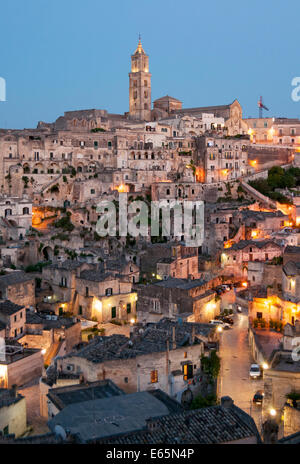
[{"x": 48, "y": 253}]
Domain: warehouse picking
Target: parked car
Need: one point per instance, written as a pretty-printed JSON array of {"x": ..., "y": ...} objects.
[
  {"x": 225, "y": 288},
  {"x": 258, "y": 397},
  {"x": 226, "y": 319},
  {"x": 218, "y": 290},
  {"x": 255, "y": 371},
  {"x": 220, "y": 323}
]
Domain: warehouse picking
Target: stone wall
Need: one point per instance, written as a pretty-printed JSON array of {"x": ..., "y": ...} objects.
[
  {"x": 277, "y": 384},
  {"x": 14, "y": 416},
  {"x": 134, "y": 374},
  {"x": 291, "y": 420},
  {"x": 25, "y": 369}
]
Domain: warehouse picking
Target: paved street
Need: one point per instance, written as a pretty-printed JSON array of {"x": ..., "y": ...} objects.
[
  {"x": 32, "y": 394},
  {"x": 236, "y": 361}
]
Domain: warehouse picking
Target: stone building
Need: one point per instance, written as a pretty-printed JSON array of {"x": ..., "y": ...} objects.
[
  {"x": 291, "y": 281},
  {"x": 234, "y": 260},
  {"x": 221, "y": 159},
  {"x": 193, "y": 300},
  {"x": 280, "y": 380},
  {"x": 18, "y": 212},
  {"x": 13, "y": 316},
  {"x": 154, "y": 253},
  {"x": 19, "y": 365},
  {"x": 13, "y": 417},
  {"x": 61, "y": 279},
  {"x": 210, "y": 425},
  {"x": 44, "y": 332},
  {"x": 261, "y": 224},
  {"x": 165, "y": 355},
  {"x": 104, "y": 296},
  {"x": 18, "y": 286},
  {"x": 61, "y": 397}
]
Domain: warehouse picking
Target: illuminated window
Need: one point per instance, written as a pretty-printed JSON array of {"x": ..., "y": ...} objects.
[
  {"x": 154, "y": 376},
  {"x": 187, "y": 371}
]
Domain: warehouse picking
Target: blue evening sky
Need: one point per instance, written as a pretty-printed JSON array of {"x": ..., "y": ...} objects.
[{"x": 59, "y": 55}]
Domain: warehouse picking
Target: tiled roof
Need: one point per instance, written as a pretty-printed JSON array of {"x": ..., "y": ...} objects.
[
  {"x": 212, "y": 425},
  {"x": 255, "y": 243},
  {"x": 36, "y": 318},
  {"x": 185, "y": 284},
  {"x": 261, "y": 215},
  {"x": 14, "y": 278},
  {"x": 96, "y": 275},
  {"x": 292, "y": 268},
  {"x": 155, "y": 338},
  {"x": 67, "y": 265},
  {"x": 8, "y": 397},
  {"x": 8, "y": 307}
]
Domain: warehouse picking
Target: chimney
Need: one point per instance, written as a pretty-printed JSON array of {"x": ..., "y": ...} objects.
[
  {"x": 174, "y": 337},
  {"x": 270, "y": 291},
  {"x": 14, "y": 391},
  {"x": 226, "y": 402},
  {"x": 270, "y": 432},
  {"x": 193, "y": 334}
]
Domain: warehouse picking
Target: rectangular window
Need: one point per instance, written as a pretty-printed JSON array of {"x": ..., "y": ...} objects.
[
  {"x": 187, "y": 371},
  {"x": 259, "y": 315},
  {"x": 86, "y": 291},
  {"x": 113, "y": 312},
  {"x": 154, "y": 376},
  {"x": 128, "y": 308},
  {"x": 80, "y": 310}
]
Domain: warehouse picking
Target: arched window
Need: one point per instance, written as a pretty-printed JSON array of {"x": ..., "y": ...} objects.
[
  {"x": 26, "y": 210},
  {"x": 8, "y": 212}
]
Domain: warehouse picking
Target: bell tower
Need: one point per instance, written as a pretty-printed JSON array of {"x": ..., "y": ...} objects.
[{"x": 140, "y": 86}]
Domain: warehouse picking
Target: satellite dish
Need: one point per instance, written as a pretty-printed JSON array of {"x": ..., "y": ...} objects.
[{"x": 60, "y": 432}]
